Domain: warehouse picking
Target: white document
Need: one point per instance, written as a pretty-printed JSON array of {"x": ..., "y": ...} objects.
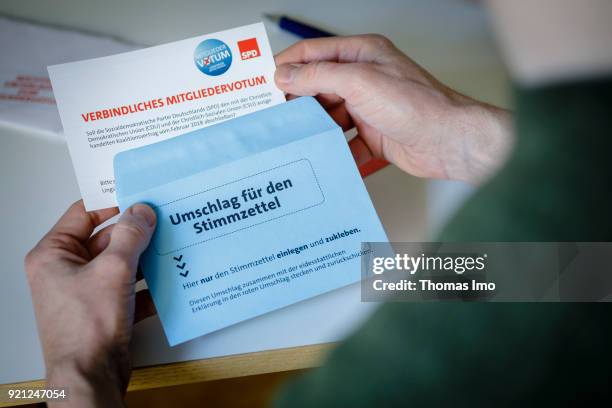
[
  {"x": 26, "y": 99},
  {"x": 117, "y": 103}
]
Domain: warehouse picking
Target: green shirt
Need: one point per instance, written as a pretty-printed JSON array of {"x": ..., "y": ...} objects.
[{"x": 557, "y": 186}]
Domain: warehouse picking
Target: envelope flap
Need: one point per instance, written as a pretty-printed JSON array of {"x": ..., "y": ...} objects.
[{"x": 145, "y": 167}]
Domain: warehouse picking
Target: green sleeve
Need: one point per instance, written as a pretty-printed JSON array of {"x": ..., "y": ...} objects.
[{"x": 557, "y": 186}]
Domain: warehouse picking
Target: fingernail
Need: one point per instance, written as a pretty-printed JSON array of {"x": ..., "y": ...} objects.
[
  {"x": 144, "y": 211},
  {"x": 285, "y": 73}
]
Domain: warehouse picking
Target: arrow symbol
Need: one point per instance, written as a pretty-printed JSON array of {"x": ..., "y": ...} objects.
[
  {"x": 181, "y": 266},
  {"x": 184, "y": 274},
  {"x": 178, "y": 259}
]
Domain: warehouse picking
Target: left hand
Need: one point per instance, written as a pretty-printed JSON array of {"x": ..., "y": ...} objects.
[{"x": 83, "y": 289}]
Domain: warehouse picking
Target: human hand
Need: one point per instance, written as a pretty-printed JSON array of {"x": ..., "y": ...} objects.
[
  {"x": 401, "y": 112},
  {"x": 83, "y": 290}
]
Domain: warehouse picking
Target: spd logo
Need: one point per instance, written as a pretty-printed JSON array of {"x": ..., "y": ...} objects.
[
  {"x": 213, "y": 57},
  {"x": 248, "y": 49}
]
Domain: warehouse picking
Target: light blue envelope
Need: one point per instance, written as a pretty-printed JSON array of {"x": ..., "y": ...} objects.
[{"x": 254, "y": 214}]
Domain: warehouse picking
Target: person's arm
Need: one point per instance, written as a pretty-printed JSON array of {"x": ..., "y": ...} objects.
[
  {"x": 555, "y": 187},
  {"x": 84, "y": 299},
  {"x": 401, "y": 112}
]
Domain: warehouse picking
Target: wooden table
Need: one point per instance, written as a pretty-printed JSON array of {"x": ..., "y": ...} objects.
[{"x": 207, "y": 370}]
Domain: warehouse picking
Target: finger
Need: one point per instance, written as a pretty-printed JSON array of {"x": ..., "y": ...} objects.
[
  {"x": 329, "y": 100},
  {"x": 129, "y": 238},
  {"x": 341, "y": 116},
  {"x": 144, "y": 306},
  {"x": 362, "y": 48},
  {"x": 78, "y": 223},
  {"x": 99, "y": 241},
  {"x": 366, "y": 160},
  {"x": 360, "y": 150},
  {"x": 347, "y": 81},
  {"x": 326, "y": 100},
  {"x": 334, "y": 105}
]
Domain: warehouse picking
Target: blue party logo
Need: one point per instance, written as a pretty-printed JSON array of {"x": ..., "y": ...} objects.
[{"x": 212, "y": 57}]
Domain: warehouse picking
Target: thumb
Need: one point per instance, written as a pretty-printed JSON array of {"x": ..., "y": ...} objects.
[
  {"x": 131, "y": 236},
  {"x": 320, "y": 77}
]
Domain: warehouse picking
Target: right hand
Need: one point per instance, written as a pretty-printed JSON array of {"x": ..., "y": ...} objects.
[{"x": 401, "y": 112}]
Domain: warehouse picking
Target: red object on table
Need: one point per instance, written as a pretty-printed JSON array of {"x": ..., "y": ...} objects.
[{"x": 372, "y": 166}]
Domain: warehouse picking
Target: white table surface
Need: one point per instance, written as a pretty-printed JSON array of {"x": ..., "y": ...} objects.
[{"x": 451, "y": 38}]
